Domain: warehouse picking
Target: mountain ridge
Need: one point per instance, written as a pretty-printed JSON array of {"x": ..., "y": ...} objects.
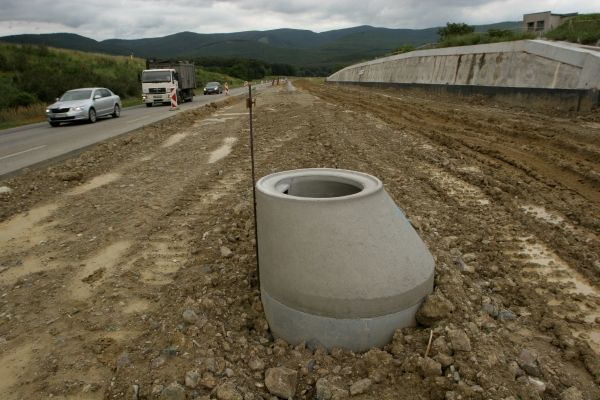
[{"x": 296, "y": 47}]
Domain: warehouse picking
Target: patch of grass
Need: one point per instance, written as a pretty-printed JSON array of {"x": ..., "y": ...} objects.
[
  {"x": 405, "y": 48},
  {"x": 23, "y": 115},
  {"x": 584, "y": 29},
  {"x": 131, "y": 101},
  {"x": 204, "y": 76},
  {"x": 492, "y": 36}
]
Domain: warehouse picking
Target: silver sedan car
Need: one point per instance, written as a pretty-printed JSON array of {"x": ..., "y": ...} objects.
[{"x": 84, "y": 104}]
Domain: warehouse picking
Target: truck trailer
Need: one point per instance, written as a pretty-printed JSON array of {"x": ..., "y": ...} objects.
[{"x": 160, "y": 77}]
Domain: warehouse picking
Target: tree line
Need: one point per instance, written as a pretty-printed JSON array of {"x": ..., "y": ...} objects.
[{"x": 252, "y": 69}]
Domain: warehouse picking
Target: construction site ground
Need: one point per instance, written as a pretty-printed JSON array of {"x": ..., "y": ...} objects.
[{"x": 128, "y": 271}]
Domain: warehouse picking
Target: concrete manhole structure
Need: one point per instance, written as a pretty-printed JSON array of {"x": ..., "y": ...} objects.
[{"x": 340, "y": 265}]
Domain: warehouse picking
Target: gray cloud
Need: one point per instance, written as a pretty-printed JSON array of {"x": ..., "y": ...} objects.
[{"x": 149, "y": 18}]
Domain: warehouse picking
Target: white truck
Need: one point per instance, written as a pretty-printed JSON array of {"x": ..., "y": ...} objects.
[{"x": 160, "y": 77}]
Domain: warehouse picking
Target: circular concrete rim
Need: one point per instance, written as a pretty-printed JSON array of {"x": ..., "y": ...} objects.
[{"x": 271, "y": 185}]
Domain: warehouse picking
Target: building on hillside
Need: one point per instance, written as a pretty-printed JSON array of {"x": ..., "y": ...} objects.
[{"x": 542, "y": 22}]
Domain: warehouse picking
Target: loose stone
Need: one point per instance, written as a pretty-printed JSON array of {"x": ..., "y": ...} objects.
[
  {"x": 360, "y": 387},
  {"x": 173, "y": 392},
  {"x": 281, "y": 382},
  {"x": 190, "y": 316},
  {"x": 459, "y": 340},
  {"x": 192, "y": 379}
]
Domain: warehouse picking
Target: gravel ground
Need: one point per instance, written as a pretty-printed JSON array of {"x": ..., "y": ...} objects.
[{"x": 128, "y": 272}]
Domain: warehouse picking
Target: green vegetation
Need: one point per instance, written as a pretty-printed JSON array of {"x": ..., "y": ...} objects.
[
  {"x": 461, "y": 34},
  {"x": 204, "y": 76},
  {"x": 492, "y": 36},
  {"x": 242, "y": 69},
  {"x": 455, "y": 29},
  {"x": 16, "y": 116},
  {"x": 131, "y": 101},
  {"x": 405, "y": 48},
  {"x": 33, "y": 74},
  {"x": 584, "y": 28}
]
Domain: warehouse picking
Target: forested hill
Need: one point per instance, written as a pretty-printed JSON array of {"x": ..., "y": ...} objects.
[{"x": 299, "y": 48}]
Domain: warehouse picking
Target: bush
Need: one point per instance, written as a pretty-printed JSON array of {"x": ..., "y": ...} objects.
[
  {"x": 21, "y": 99},
  {"x": 455, "y": 29},
  {"x": 584, "y": 29}
]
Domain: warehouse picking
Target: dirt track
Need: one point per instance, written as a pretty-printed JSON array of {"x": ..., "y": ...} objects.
[{"x": 102, "y": 254}]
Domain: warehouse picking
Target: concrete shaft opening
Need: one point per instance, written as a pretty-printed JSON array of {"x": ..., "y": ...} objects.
[
  {"x": 318, "y": 186},
  {"x": 340, "y": 265}
]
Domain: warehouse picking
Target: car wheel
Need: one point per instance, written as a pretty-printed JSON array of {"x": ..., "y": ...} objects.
[
  {"x": 92, "y": 116},
  {"x": 117, "y": 112},
  {"x": 54, "y": 123},
  {"x": 148, "y": 104}
]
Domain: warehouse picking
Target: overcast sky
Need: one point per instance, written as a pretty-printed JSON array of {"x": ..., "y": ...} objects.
[{"x": 130, "y": 19}]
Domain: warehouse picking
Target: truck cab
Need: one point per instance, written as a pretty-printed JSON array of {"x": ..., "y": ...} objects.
[
  {"x": 157, "y": 85},
  {"x": 160, "y": 77}
]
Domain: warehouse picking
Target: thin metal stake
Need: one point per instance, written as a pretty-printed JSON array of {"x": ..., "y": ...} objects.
[{"x": 250, "y": 104}]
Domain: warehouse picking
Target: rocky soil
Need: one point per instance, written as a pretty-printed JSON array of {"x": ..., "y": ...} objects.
[{"x": 128, "y": 271}]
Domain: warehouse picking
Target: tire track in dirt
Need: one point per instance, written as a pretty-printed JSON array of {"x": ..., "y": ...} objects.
[
  {"x": 191, "y": 231},
  {"x": 583, "y": 208},
  {"x": 112, "y": 273},
  {"x": 471, "y": 132},
  {"x": 452, "y": 189}
]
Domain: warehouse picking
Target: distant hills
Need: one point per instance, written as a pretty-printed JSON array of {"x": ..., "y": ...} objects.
[{"x": 300, "y": 48}]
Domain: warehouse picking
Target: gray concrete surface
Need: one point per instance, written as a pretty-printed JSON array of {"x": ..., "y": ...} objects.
[
  {"x": 356, "y": 334},
  {"x": 526, "y": 63},
  {"x": 35, "y": 144},
  {"x": 336, "y": 250}
]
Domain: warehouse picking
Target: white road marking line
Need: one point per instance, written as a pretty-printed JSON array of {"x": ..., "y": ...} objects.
[{"x": 24, "y": 151}]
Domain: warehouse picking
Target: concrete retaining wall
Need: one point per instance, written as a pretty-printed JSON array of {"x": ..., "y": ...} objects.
[{"x": 526, "y": 64}]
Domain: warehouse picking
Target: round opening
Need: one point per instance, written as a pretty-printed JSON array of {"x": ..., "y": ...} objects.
[
  {"x": 318, "y": 184},
  {"x": 318, "y": 187}
]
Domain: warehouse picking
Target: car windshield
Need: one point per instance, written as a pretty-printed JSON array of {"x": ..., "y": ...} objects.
[
  {"x": 76, "y": 95},
  {"x": 212, "y": 84},
  {"x": 156, "y": 76}
]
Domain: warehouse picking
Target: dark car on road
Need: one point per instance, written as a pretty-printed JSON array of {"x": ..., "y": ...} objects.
[
  {"x": 213, "y": 88},
  {"x": 84, "y": 104}
]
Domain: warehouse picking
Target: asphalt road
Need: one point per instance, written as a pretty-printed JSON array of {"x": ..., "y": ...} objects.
[{"x": 34, "y": 144}]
